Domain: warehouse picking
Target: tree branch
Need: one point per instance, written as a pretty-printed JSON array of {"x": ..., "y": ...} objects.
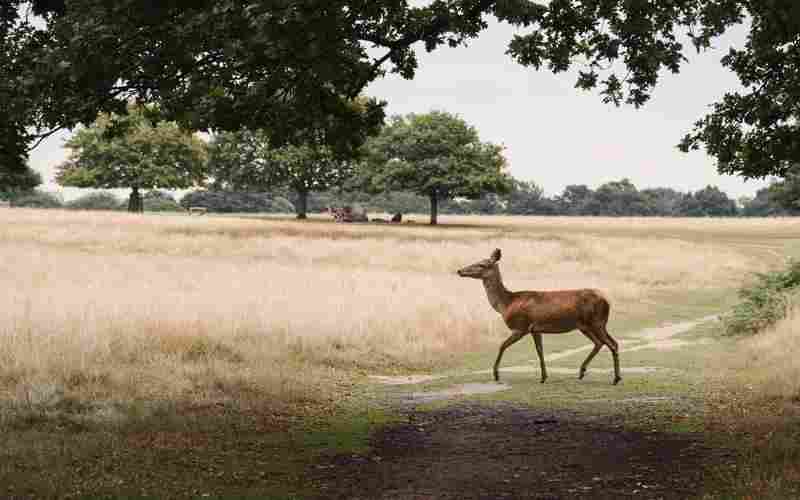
[
  {"x": 439, "y": 25},
  {"x": 42, "y": 137}
]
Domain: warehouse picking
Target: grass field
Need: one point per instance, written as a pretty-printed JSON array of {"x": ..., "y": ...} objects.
[
  {"x": 112, "y": 307},
  {"x": 109, "y": 320}
]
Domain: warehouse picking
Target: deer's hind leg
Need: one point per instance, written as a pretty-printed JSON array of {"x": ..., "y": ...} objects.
[
  {"x": 612, "y": 344},
  {"x": 599, "y": 330},
  {"x": 598, "y": 344}
]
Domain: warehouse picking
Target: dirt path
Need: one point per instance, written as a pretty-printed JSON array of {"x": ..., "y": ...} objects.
[{"x": 502, "y": 449}]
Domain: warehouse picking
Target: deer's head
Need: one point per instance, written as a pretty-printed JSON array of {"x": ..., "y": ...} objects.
[{"x": 483, "y": 268}]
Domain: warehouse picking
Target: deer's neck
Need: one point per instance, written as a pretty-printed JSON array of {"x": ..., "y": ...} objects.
[{"x": 498, "y": 295}]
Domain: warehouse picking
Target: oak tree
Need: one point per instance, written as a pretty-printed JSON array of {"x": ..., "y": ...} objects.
[
  {"x": 249, "y": 160},
  {"x": 437, "y": 155},
  {"x": 141, "y": 156}
]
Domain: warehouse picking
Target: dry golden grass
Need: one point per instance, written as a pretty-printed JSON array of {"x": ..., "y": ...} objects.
[
  {"x": 768, "y": 361},
  {"x": 111, "y": 307}
]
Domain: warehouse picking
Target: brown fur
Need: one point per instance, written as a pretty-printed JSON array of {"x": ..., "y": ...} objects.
[{"x": 541, "y": 312}]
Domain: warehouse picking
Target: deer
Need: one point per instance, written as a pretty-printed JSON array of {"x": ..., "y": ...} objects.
[{"x": 545, "y": 312}]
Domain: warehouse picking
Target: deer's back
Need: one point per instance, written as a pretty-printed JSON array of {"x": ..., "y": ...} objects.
[{"x": 556, "y": 311}]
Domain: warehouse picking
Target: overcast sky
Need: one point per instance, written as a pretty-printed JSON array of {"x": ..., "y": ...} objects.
[
  {"x": 557, "y": 135},
  {"x": 554, "y": 134}
]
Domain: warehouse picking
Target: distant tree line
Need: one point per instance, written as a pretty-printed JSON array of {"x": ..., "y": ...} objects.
[
  {"x": 616, "y": 198},
  {"x": 433, "y": 162}
]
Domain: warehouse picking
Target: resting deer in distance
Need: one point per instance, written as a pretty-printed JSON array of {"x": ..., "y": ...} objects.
[{"x": 540, "y": 312}]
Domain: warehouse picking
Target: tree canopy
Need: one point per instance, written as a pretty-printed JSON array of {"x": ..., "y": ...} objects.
[
  {"x": 15, "y": 182},
  {"x": 527, "y": 198},
  {"x": 248, "y": 160},
  {"x": 617, "y": 198},
  {"x": 709, "y": 201},
  {"x": 437, "y": 155},
  {"x": 141, "y": 156},
  {"x": 786, "y": 192},
  {"x": 229, "y": 64}
]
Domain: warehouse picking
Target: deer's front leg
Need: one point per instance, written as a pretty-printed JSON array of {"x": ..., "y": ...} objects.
[
  {"x": 537, "y": 339},
  {"x": 515, "y": 336}
]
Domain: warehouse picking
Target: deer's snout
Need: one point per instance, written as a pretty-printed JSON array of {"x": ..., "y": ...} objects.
[{"x": 460, "y": 272}]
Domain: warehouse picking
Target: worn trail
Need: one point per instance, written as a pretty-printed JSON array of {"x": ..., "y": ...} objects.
[
  {"x": 501, "y": 449},
  {"x": 660, "y": 338}
]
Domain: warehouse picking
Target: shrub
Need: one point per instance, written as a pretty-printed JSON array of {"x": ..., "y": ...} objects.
[
  {"x": 282, "y": 205},
  {"x": 38, "y": 199},
  {"x": 160, "y": 201},
  {"x": 161, "y": 205},
  {"x": 235, "y": 201},
  {"x": 96, "y": 201},
  {"x": 764, "y": 302}
]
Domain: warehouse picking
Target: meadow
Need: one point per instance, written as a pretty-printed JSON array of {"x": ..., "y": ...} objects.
[
  {"x": 108, "y": 318},
  {"x": 110, "y": 308}
]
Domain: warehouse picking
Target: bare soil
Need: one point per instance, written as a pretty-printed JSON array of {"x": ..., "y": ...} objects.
[{"x": 474, "y": 450}]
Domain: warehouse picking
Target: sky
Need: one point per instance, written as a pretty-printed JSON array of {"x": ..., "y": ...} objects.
[{"x": 554, "y": 134}]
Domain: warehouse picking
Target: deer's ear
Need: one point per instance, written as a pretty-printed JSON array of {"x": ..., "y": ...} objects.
[{"x": 496, "y": 255}]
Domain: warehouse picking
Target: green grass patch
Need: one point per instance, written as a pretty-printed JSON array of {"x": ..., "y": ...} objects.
[{"x": 347, "y": 432}]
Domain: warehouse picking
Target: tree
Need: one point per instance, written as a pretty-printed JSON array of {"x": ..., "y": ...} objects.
[
  {"x": 753, "y": 133},
  {"x": 437, "y": 155},
  {"x": 308, "y": 168},
  {"x": 527, "y": 198},
  {"x": 617, "y": 198},
  {"x": 786, "y": 192},
  {"x": 764, "y": 204},
  {"x": 230, "y": 64},
  {"x": 709, "y": 201},
  {"x": 574, "y": 199},
  {"x": 228, "y": 154},
  {"x": 142, "y": 156},
  {"x": 208, "y": 65},
  {"x": 15, "y": 182},
  {"x": 16, "y": 113},
  {"x": 663, "y": 201},
  {"x": 248, "y": 160}
]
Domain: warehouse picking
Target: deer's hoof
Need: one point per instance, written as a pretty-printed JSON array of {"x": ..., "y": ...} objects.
[
  {"x": 496, "y": 377},
  {"x": 581, "y": 374},
  {"x": 542, "y": 381},
  {"x": 617, "y": 380}
]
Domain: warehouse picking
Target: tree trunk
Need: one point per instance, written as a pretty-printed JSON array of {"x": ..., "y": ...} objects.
[
  {"x": 302, "y": 204},
  {"x": 135, "y": 204},
  {"x": 434, "y": 208}
]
